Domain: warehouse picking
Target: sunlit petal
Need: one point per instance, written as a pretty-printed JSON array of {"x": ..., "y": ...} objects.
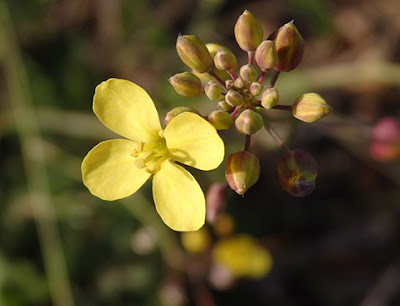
[
  {"x": 194, "y": 142},
  {"x": 178, "y": 197},
  {"x": 126, "y": 109},
  {"x": 109, "y": 171}
]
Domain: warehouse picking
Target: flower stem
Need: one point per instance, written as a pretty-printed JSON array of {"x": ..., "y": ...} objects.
[
  {"x": 262, "y": 76},
  {"x": 274, "y": 77},
  {"x": 235, "y": 111},
  {"x": 217, "y": 79},
  {"x": 232, "y": 74},
  {"x": 283, "y": 107},
  {"x": 251, "y": 57},
  {"x": 276, "y": 137},
  {"x": 247, "y": 143}
]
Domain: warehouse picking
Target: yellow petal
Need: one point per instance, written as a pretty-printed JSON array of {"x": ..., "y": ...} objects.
[
  {"x": 109, "y": 171},
  {"x": 194, "y": 142},
  {"x": 178, "y": 197},
  {"x": 126, "y": 109}
]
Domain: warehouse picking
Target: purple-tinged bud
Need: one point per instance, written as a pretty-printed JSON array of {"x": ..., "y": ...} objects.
[
  {"x": 222, "y": 104},
  {"x": 269, "y": 98},
  {"x": 297, "y": 171},
  {"x": 266, "y": 56},
  {"x": 256, "y": 88},
  {"x": 225, "y": 60},
  {"x": 310, "y": 107},
  {"x": 239, "y": 83},
  {"x": 242, "y": 171},
  {"x": 186, "y": 84},
  {"x": 220, "y": 119},
  {"x": 248, "y": 73},
  {"x": 212, "y": 90},
  {"x": 385, "y": 139},
  {"x": 229, "y": 84},
  {"x": 248, "y": 32},
  {"x": 289, "y": 46},
  {"x": 194, "y": 53},
  {"x": 234, "y": 98},
  {"x": 215, "y": 201},
  {"x": 178, "y": 110},
  {"x": 249, "y": 122}
]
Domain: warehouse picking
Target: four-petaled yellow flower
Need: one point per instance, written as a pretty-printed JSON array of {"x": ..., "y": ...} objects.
[{"x": 115, "y": 169}]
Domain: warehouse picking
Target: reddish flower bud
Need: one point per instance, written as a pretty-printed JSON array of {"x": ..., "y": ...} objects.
[
  {"x": 242, "y": 171},
  {"x": 215, "y": 200},
  {"x": 225, "y": 60},
  {"x": 249, "y": 122},
  {"x": 385, "y": 139},
  {"x": 289, "y": 47},
  {"x": 297, "y": 171},
  {"x": 248, "y": 73},
  {"x": 266, "y": 56},
  {"x": 178, "y": 110}
]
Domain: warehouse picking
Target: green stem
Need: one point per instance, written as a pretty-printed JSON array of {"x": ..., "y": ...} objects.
[
  {"x": 28, "y": 130},
  {"x": 276, "y": 137}
]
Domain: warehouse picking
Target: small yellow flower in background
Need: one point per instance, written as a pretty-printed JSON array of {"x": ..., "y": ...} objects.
[
  {"x": 116, "y": 169},
  {"x": 196, "y": 242},
  {"x": 242, "y": 256}
]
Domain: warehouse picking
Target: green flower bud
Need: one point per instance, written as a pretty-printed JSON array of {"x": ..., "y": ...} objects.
[
  {"x": 248, "y": 73},
  {"x": 270, "y": 98},
  {"x": 242, "y": 171},
  {"x": 220, "y": 119},
  {"x": 234, "y": 98},
  {"x": 212, "y": 90},
  {"x": 310, "y": 107},
  {"x": 225, "y": 60},
  {"x": 248, "y": 32},
  {"x": 249, "y": 122},
  {"x": 266, "y": 56},
  {"x": 186, "y": 84},
  {"x": 213, "y": 48},
  {"x": 222, "y": 104},
  {"x": 194, "y": 53},
  {"x": 178, "y": 110},
  {"x": 289, "y": 47},
  {"x": 297, "y": 171},
  {"x": 239, "y": 83},
  {"x": 256, "y": 88}
]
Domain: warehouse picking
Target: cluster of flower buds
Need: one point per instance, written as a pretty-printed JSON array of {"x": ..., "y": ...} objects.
[{"x": 241, "y": 95}]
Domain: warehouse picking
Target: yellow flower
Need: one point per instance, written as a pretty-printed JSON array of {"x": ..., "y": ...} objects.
[
  {"x": 116, "y": 169},
  {"x": 242, "y": 256}
]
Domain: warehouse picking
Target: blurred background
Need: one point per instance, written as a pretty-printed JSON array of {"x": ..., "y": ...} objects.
[{"x": 59, "y": 245}]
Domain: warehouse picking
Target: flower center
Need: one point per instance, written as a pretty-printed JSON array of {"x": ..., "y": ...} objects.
[{"x": 151, "y": 155}]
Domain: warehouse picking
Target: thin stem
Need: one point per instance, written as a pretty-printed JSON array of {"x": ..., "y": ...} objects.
[
  {"x": 33, "y": 154},
  {"x": 217, "y": 79},
  {"x": 283, "y": 107},
  {"x": 247, "y": 143},
  {"x": 250, "y": 55},
  {"x": 276, "y": 137},
  {"x": 262, "y": 76},
  {"x": 274, "y": 77},
  {"x": 232, "y": 74},
  {"x": 235, "y": 111}
]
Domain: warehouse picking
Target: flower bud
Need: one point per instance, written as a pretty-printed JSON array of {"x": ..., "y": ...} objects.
[
  {"x": 220, "y": 119},
  {"x": 234, "y": 98},
  {"x": 239, "y": 83},
  {"x": 225, "y": 60},
  {"x": 385, "y": 139},
  {"x": 213, "y": 48},
  {"x": 194, "y": 53},
  {"x": 249, "y": 122},
  {"x": 266, "y": 56},
  {"x": 212, "y": 90},
  {"x": 178, "y": 110},
  {"x": 256, "y": 88},
  {"x": 215, "y": 201},
  {"x": 222, "y": 104},
  {"x": 310, "y": 107},
  {"x": 186, "y": 84},
  {"x": 242, "y": 171},
  {"x": 248, "y": 73},
  {"x": 229, "y": 84},
  {"x": 269, "y": 98},
  {"x": 297, "y": 171},
  {"x": 248, "y": 32},
  {"x": 289, "y": 47}
]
